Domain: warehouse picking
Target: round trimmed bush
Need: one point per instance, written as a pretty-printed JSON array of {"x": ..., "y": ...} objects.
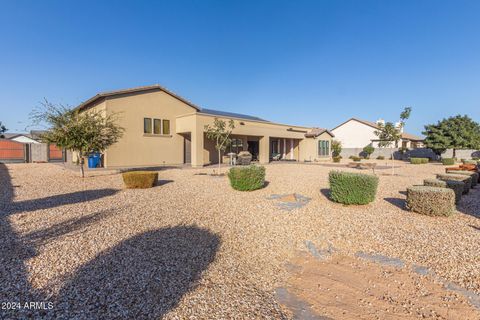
[
  {"x": 467, "y": 180},
  {"x": 456, "y": 186},
  {"x": 247, "y": 178},
  {"x": 472, "y": 174},
  {"x": 139, "y": 179},
  {"x": 352, "y": 188},
  {"x": 431, "y": 201},
  {"x": 419, "y": 160},
  {"x": 448, "y": 161},
  {"x": 355, "y": 158},
  {"x": 380, "y": 158},
  {"x": 337, "y": 159}
]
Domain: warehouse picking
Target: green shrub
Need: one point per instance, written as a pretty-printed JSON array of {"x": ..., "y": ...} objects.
[
  {"x": 456, "y": 186},
  {"x": 419, "y": 160},
  {"x": 448, "y": 161},
  {"x": 472, "y": 174},
  {"x": 368, "y": 150},
  {"x": 380, "y": 158},
  {"x": 431, "y": 201},
  {"x": 475, "y": 158},
  {"x": 469, "y": 162},
  {"x": 352, "y": 188},
  {"x": 467, "y": 180},
  {"x": 336, "y": 159},
  {"x": 247, "y": 178},
  {"x": 355, "y": 158},
  {"x": 139, "y": 179}
]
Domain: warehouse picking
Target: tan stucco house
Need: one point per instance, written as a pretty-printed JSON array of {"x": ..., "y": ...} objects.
[{"x": 162, "y": 128}]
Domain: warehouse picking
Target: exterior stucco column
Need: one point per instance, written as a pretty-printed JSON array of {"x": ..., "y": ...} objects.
[
  {"x": 264, "y": 148},
  {"x": 197, "y": 148},
  {"x": 284, "y": 148},
  {"x": 291, "y": 149}
]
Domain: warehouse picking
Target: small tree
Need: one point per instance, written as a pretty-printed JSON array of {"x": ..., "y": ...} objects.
[
  {"x": 2, "y": 130},
  {"x": 459, "y": 132},
  {"x": 368, "y": 150},
  {"x": 220, "y": 132},
  {"x": 82, "y": 132},
  {"x": 336, "y": 148},
  {"x": 389, "y": 134}
]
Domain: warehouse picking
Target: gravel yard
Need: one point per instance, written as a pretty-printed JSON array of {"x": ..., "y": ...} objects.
[{"x": 192, "y": 247}]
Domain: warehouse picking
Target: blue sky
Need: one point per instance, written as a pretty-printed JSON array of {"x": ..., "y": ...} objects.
[{"x": 314, "y": 63}]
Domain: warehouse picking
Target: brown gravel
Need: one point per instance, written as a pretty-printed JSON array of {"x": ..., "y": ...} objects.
[{"x": 194, "y": 248}]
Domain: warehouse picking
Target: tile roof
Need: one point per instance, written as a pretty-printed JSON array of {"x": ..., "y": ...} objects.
[{"x": 315, "y": 132}]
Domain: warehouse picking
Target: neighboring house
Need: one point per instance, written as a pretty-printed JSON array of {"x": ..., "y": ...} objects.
[
  {"x": 356, "y": 133},
  {"x": 20, "y": 137},
  {"x": 162, "y": 128}
]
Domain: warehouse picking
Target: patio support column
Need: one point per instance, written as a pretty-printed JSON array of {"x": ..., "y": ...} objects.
[
  {"x": 284, "y": 148},
  {"x": 264, "y": 149},
  {"x": 291, "y": 149},
  {"x": 278, "y": 146},
  {"x": 197, "y": 148}
]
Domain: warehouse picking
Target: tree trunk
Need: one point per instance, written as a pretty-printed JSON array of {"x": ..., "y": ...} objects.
[
  {"x": 454, "y": 154},
  {"x": 393, "y": 163},
  {"x": 219, "y": 163},
  {"x": 82, "y": 170}
]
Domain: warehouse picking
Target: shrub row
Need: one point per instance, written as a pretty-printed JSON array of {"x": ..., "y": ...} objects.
[
  {"x": 456, "y": 186},
  {"x": 472, "y": 174},
  {"x": 448, "y": 161},
  {"x": 247, "y": 178},
  {"x": 467, "y": 180},
  {"x": 419, "y": 160},
  {"x": 432, "y": 201},
  {"x": 352, "y": 188},
  {"x": 139, "y": 179}
]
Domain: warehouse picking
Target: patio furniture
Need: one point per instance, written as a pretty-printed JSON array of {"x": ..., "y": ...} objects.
[{"x": 276, "y": 156}]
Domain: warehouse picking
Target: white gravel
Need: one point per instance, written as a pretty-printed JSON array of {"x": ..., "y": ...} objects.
[{"x": 194, "y": 248}]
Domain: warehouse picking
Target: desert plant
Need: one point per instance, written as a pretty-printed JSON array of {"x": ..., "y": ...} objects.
[
  {"x": 380, "y": 158},
  {"x": 419, "y": 160},
  {"x": 474, "y": 175},
  {"x": 368, "y": 150},
  {"x": 448, "y": 161},
  {"x": 2, "y": 130},
  {"x": 355, "y": 158},
  {"x": 432, "y": 201},
  {"x": 139, "y": 179},
  {"x": 336, "y": 159},
  {"x": 456, "y": 186},
  {"x": 247, "y": 178},
  {"x": 336, "y": 148},
  {"x": 467, "y": 180},
  {"x": 467, "y": 161},
  {"x": 220, "y": 132},
  {"x": 352, "y": 188},
  {"x": 389, "y": 134},
  {"x": 82, "y": 132}
]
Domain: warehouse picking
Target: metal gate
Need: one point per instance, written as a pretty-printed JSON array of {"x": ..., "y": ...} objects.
[
  {"x": 12, "y": 151},
  {"x": 54, "y": 153}
]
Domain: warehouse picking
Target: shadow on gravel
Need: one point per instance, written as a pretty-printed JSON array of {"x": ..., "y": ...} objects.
[
  {"x": 58, "y": 230},
  {"x": 141, "y": 278},
  {"x": 400, "y": 203},
  {"x": 59, "y": 200},
  {"x": 326, "y": 193},
  {"x": 159, "y": 183}
]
